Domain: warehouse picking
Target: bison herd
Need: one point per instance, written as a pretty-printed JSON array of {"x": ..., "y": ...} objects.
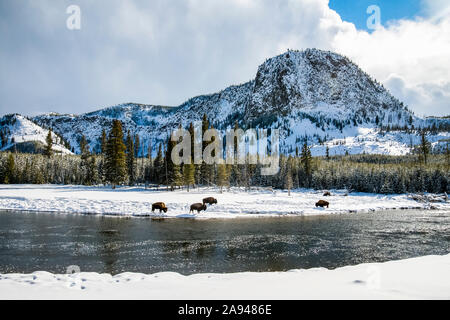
[
  {"x": 161, "y": 206},
  {"x": 199, "y": 207}
]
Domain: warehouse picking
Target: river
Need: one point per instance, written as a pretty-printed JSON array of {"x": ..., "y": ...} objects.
[{"x": 53, "y": 242}]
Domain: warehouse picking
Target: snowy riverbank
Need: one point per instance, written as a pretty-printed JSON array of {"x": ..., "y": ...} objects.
[
  {"x": 135, "y": 201},
  {"x": 418, "y": 278}
]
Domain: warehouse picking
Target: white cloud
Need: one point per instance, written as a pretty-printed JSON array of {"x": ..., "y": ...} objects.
[
  {"x": 436, "y": 9},
  {"x": 415, "y": 51},
  {"x": 164, "y": 52},
  {"x": 433, "y": 97}
]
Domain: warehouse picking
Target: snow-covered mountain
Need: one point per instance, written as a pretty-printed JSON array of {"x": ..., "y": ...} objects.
[
  {"x": 313, "y": 94},
  {"x": 21, "y": 134}
]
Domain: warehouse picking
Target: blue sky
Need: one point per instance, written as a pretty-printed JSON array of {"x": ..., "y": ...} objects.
[
  {"x": 167, "y": 51},
  {"x": 355, "y": 10}
]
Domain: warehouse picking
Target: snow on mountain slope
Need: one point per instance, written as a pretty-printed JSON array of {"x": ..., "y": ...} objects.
[
  {"x": 222, "y": 108},
  {"x": 315, "y": 95},
  {"x": 371, "y": 141},
  {"x": 18, "y": 130},
  {"x": 319, "y": 82},
  {"x": 144, "y": 120}
]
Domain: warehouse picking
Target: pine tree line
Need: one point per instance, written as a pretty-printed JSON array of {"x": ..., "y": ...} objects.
[
  {"x": 320, "y": 173},
  {"x": 120, "y": 164}
]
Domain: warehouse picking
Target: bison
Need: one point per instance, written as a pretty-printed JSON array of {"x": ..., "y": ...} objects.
[
  {"x": 327, "y": 194},
  {"x": 198, "y": 206},
  {"x": 210, "y": 200},
  {"x": 159, "y": 205},
  {"x": 322, "y": 203}
]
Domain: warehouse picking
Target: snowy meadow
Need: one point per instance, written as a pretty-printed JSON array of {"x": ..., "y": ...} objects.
[{"x": 232, "y": 203}]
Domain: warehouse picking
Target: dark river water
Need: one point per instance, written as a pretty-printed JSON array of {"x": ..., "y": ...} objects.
[{"x": 51, "y": 242}]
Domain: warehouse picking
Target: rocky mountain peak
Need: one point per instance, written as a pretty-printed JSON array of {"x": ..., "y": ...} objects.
[{"x": 312, "y": 79}]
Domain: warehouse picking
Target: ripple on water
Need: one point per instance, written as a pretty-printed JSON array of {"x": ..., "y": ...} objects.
[{"x": 36, "y": 242}]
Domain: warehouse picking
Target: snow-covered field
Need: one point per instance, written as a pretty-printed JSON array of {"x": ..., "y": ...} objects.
[
  {"x": 136, "y": 201},
  {"x": 418, "y": 278}
]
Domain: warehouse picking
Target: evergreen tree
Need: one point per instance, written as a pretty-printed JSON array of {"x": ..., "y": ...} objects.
[
  {"x": 447, "y": 157},
  {"x": 205, "y": 169},
  {"x": 223, "y": 178},
  {"x": 103, "y": 146},
  {"x": 306, "y": 160},
  {"x": 281, "y": 177},
  {"x": 48, "y": 148},
  {"x": 83, "y": 145},
  {"x": 159, "y": 167},
  {"x": 149, "y": 168},
  {"x": 169, "y": 166},
  {"x": 130, "y": 159},
  {"x": 197, "y": 167},
  {"x": 386, "y": 188},
  {"x": 174, "y": 176},
  {"x": 88, "y": 176},
  {"x": 425, "y": 147},
  {"x": 115, "y": 161},
  {"x": 192, "y": 133},
  {"x": 103, "y": 142},
  {"x": 288, "y": 183},
  {"x": 149, "y": 152},
  {"x": 38, "y": 177},
  {"x": 188, "y": 175},
  {"x": 211, "y": 168},
  {"x": 91, "y": 171},
  {"x": 137, "y": 144},
  {"x": 10, "y": 170},
  {"x": 101, "y": 170},
  {"x": 236, "y": 170}
]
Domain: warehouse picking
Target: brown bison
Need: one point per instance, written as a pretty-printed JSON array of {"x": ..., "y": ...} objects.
[
  {"x": 322, "y": 203},
  {"x": 198, "y": 206},
  {"x": 210, "y": 200},
  {"x": 327, "y": 194},
  {"x": 159, "y": 205}
]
